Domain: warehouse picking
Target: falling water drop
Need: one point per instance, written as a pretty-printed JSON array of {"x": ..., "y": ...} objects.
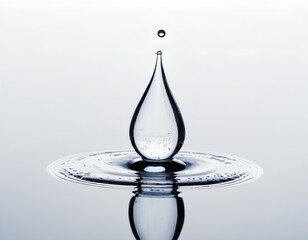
[
  {"x": 161, "y": 33},
  {"x": 157, "y": 129}
]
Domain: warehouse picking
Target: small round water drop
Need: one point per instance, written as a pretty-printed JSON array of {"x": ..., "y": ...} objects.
[{"x": 161, "y": 33}]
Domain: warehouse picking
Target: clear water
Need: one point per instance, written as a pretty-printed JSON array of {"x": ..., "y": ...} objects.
[
  {"x": 154, "y": 171},
  {"x": 126, "y": 168},
  {"x": 157, "y": 170},
  {"x": 156, "y": 211}
]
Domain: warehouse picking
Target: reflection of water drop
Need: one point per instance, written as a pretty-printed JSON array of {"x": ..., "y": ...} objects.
[
  {"x": 156, "y": 214},
  {"x": 161, "y": 33},
  {"x": 157, "y": 129}
]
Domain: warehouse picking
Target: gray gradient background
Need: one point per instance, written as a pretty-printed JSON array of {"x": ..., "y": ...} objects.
[{"x": 72, "y": 72}]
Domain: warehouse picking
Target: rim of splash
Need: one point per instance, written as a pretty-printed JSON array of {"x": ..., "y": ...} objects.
[{"x": 113, "y": 169}]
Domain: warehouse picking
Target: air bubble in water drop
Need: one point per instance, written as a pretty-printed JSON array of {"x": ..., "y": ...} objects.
[{"x": 161, "y": 33}]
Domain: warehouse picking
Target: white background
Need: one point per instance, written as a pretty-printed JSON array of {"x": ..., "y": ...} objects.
[{"x": 72, "y": 73}]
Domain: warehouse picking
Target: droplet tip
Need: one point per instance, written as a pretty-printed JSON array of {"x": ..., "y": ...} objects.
[{"x": 159, "y": 53}]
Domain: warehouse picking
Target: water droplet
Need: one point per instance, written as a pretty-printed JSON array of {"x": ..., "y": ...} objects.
[
  {"x": 157, "y": 129},
  {"x": 161, "y": 33}
]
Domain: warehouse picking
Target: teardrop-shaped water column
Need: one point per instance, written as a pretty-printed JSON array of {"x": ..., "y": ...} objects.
[{"x": 157, "y": 129}]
